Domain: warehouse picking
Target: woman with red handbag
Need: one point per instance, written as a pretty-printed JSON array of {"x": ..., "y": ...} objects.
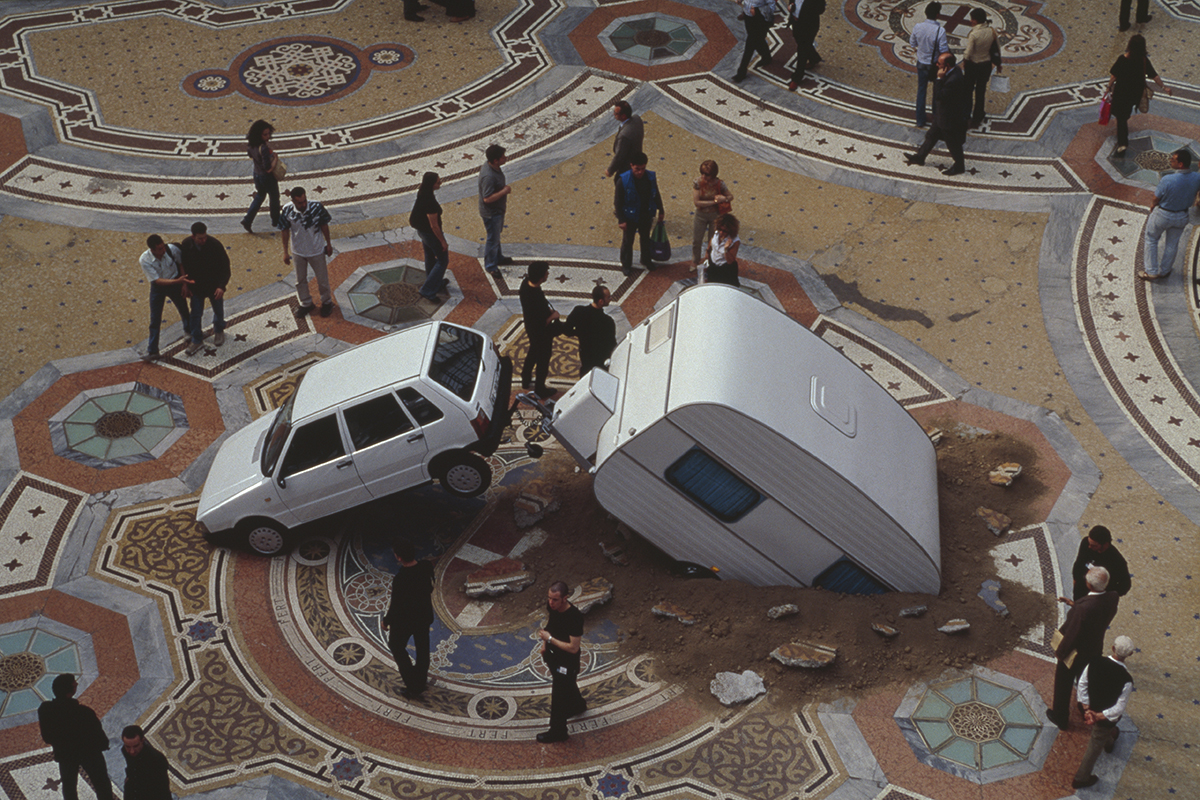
[{"x": 1127, "y": 85}]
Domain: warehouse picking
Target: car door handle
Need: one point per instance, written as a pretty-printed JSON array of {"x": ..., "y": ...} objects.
[
  {"x": 347, "y": 463},
  {"x": 415, "y": 438}
]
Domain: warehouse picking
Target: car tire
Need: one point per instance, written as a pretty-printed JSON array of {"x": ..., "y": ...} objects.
[
  {"x": 263, "y": 536},
  {"x": 464, "y": 474}
]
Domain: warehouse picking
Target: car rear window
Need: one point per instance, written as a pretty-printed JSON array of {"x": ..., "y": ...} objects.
[{"x": 456, "y": 360}]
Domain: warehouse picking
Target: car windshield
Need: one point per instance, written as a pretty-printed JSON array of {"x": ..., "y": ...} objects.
[
  {"x": 277, "y": 434},
  {"x": 456, "y": 360}
]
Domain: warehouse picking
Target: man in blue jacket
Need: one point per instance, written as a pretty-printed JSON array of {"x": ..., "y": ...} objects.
[{"x": 635, "y": 202}]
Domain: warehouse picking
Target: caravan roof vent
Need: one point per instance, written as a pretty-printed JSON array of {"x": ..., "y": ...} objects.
[{"x": 834, "y": 407}]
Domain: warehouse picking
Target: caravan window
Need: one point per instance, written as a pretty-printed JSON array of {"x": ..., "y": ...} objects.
[{"x": 713, "y": 485}]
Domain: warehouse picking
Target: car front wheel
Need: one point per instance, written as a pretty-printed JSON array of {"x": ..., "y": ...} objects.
[
  {"x": 465, "y": 475},
  {"x": 264, "y": 536}
]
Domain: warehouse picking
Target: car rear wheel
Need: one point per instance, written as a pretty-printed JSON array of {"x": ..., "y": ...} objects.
[
  {"x": 264, "y": 536},
  {"x": 465, "y": 474}
]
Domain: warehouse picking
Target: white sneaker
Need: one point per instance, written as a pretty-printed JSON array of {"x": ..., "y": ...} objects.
[
  {"x": 194, "y": 348},
  {"x": 219, "y": 338}
]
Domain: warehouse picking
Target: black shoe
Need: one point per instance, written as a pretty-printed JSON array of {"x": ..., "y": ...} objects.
[
  {"x": 504, "y": 261},
  {"x": 302, "y": 312},
  {"x": 411, "y": 694},
  {"x": 741, "y": 76},
  {"x": 955, "y": 170},
  {"x": 246, "y": 225},
  {"x": 152, "y": 357},
  {"x": 1124, "y": 26},
  {"x": 1092, "y": 780},
  {"x": 1062, "y": 725},
  {"x": 551, "y": 738},
  {"x": 326, "y": 309},
  {"x": 1108, "y": 748},
  {"x": 627, "y": 270},
  {"x": 912, "y": 160},
  {"x": 1145, "y": 19},
  {"x": 445, "y": 287},
  {"x": 415, "y": 18},
  {"x": 648, "y": 267}
]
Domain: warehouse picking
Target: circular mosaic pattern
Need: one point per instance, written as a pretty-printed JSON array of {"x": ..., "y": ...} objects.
[
  {"x": 976, "y": 722},
  {"x": 398, "y": 295},
  {"x": 210, "y": 84},
  {"x": 1155, "y": 160},
  {"x": 390, "y": 56},
  {"x": 20, "y": 671},
  {"x": 118, "y": 425},
  {"x": 300, "y": 71}
]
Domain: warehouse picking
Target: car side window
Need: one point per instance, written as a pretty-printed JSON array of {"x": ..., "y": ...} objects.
[
  {"x": 375, "y": 421},
  {"x": 313, "y": 444},
  {"x": 423, "y": 411}
]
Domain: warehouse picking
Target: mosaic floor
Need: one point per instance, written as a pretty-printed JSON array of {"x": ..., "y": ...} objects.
[{"x": 1004, "y": 297}]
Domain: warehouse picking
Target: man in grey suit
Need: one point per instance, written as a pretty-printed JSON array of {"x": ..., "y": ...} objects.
[
  {"x": 628, "y": 141},
  {"x": 1083, "y": 635}
]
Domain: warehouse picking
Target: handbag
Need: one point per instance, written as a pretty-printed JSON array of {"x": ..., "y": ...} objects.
[
  {"x": 994, "y": 53},
  {"x": 661, "y": 245},
  {"x": 1144, "y": 104},
  {"x": 999, "y": 83},
  {"x": 1105, "y": 108},
  {"x": 279, "y": 170}
]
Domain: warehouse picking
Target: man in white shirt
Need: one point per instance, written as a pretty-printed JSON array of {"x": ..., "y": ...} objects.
[
  {"x": 929, "y": 40},
  {"x": 161, "y": 263},
  {"x": 1103, "y": 684},
  {"x": 304, "y": 223}
]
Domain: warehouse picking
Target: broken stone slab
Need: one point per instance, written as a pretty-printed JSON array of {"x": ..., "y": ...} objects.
[
  {"x": 1003, "y": 475},
  {"x": 731, "y": 688},
  {"x": 955, "y": 626},
  {"x": 934, "y": 433},
  {"x": 886, "y": 631},
  {"x": 672, "y": 610},
  {"x": 615, "y": 554},
  {"x": 786, "y": 610},
  {"x": 990, "y": 592},
  {"x": 591, "y": 593},
  {"x": 534, "y": 502},
  {"x": 804, "y": 654},
  {"x": 913, "y": 611},
  {"x": 997, "y": 523},
  {"x": 498, "y": 577}
]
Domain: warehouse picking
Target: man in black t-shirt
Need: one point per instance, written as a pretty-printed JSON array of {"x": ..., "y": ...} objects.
[
  {"x": 560, "y": 648},
  {"x": 596, "y": 331},
  {"x": 409, "y": 616},
  {"x": 1097, "y": 550}
]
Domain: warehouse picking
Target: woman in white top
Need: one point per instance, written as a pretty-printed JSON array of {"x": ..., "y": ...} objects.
[
  {"x": 711, "y": 197},
  {"x": 977, "y": 61},
  {"x": 722, "y": 253}
]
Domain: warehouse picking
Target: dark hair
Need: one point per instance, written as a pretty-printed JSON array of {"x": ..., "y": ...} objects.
[
  {"x": 254, "y": 137},
  {"x": 297, "y": 191},
  {"x": 133, "y": 732},
  {"x": 624, "y": 108},
  {"x": 428, "y": 181},
  {"x": 1136, "y": 46},
  {"x": 1184, "y": 157},
  {"x": 538, "y": 270},
  {"x": 404, "y": 550},
  {"x": 979, "y": 15},
  {"x": 932, "y": 10},
  {"x": 493, "y": 152},
  {"x": 598, "y": 293},
  {"x": 153, "y": 240},
  {"x": 1100, "y": 534},
  {"x": 64, "y": 685},
  {"x": 560, "y": 588},
  {"x": 728, "y": 223},
  {"x": 199, "y": 227},
  {"x": 639, "y": 160},
  {"x": 715, "y": 169},
  {"x": 950, "y": 59}
]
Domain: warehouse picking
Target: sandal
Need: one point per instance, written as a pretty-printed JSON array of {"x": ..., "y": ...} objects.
[{"x": 1146, "y": 276}]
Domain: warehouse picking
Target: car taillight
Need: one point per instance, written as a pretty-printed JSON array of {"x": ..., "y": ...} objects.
[{"x": 480, "y": 424}]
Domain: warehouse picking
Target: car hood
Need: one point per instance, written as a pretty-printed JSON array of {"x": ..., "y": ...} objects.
[{"x": 236, "y": 467}]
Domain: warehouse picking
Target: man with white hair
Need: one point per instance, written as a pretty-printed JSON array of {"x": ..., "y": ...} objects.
[
  {"x": 1104, "y": 684},
  {"x": 1082, "y": 641}
]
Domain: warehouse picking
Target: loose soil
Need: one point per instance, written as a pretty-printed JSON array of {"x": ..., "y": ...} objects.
[{"x": 734, "y": 632}]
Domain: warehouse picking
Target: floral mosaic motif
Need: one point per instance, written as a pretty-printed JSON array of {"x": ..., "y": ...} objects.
[
  {"x": 612, "y": 785},
  {"x": 202, "y": 631},
  {"x": 348, "y": 769},
  {"x": 162, "y": 545},
  {"x": 268, "y": 392},
  {"x": 118, "y": 425},
  {"x": 300, "y": 70},
  {"x": 349, "y": 653},
  {"x": 1026, "y": 36},
  {"x": 652, "y": 39},
  {"x": 30, "y": 660}
]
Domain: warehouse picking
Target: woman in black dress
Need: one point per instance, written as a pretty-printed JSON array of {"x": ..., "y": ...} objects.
[{"x": 1127, "y": 83}]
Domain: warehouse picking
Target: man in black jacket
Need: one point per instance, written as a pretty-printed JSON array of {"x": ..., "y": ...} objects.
[
  {"x": 145, "y": 767},
  {"x": 409, "y": 615},
  {"x": 951, "y": 115},
  {"x": 541, "y": 326},
  {"x": 78, "y": 739},
  {"x": 596, "y": 331},
  {"x": 1097, "y": 550},
  {"x": 206, "y": 264}
]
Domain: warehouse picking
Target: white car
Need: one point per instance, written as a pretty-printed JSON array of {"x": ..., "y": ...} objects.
[{"x": 397, "y": 412}]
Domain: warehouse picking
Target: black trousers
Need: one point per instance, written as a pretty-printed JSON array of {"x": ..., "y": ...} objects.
[
  {"x": 1064, "y": 680},
  {"x": 415, "y": 675},
  {"x": 641, "y": 229},
  {"x": 977, "y": 75},
  {"x": 565, "y": 700},
  {"x": 804, "y": 31},
  {"x": 954, "y": 143},
  {"x": 756, "y": 41},
  {"x": 1143, "y": 11},
  {"x": 537, "y": 361},
  {"x": 97, "y": 772}
]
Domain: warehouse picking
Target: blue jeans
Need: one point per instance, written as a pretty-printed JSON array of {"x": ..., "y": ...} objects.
[
  {"x": 1173, "y": 224},
  {"x": 158, "y": 296},
  {"x": 264, "y": 186},
  {"x": 491, "y": 249},
  {"x": 218, "y": 307},
  {"x": 923, "y": 72},
  {"x": 436, "y": 260}
]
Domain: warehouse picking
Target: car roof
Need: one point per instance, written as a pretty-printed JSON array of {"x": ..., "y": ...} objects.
[{"x": 378, "y": 363}]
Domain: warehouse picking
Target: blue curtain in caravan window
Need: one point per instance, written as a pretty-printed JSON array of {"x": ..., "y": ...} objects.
[{"x": 713, "y": 485}]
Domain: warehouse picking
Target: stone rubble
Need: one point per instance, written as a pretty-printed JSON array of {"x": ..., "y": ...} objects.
[
  {"x": 616, "y": 554},
  {"x": 786, "y": 610},
  {"x": 990, "y": 592},
  {"x": 934, "y": 433},
  {"x": 672, "y": 610},
  {"x": 534, "y": 502},
  {"x": 1004, "y": 474},
  {"x": 805, "y": 655},
  {"x": 955, "y": 626},
  {"x": 591, "y": 593},
  {"x": 732, "y": 689},
  {"x": 997, "y": 523},
  {"x": 886, "y": 631},
  {"x": 913, "y": 611},
  {"x": 498, "y": 577}
]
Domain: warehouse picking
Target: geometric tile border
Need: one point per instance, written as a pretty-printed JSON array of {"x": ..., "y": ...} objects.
[
  {"x": 247, "y": 334},
  {"x": 1028, "y": 557},
  {"x": 35, "y": 517},
  {"x": 158, "y": 423},
  {"x": 901, "y": 380},
  {"x": 268, "y": 392}
]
